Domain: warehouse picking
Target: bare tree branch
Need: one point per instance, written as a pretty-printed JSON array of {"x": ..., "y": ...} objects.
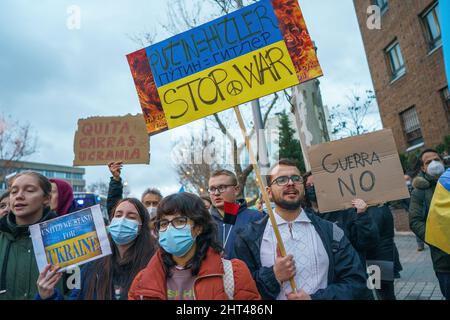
[
  {"x": 269, "y": 109},
  {"x": 16, "y": 143}
]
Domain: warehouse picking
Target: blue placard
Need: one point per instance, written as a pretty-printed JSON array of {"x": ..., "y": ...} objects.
[
  {"x": 238, "y": 33},
  {"x": 444, "y": 11},
  {"x": 55, "y": 231}
]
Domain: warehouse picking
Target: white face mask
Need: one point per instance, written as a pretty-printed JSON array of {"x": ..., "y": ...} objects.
[
  {"x": 152, "y": 212},
  {"x": 435, "y": 169}
]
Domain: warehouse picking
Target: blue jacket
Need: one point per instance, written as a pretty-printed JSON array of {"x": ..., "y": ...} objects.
[
  {"x": 346, "y": 275},
  {"x": 227, "y": 232}
]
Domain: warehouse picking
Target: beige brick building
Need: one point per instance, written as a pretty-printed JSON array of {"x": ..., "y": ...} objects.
[{"x": 407, "y": 67}]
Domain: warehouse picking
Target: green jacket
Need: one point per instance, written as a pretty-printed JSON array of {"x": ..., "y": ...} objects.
[
  {"x": 419, "y": 206},
  {"x": 18, "y": 268}
]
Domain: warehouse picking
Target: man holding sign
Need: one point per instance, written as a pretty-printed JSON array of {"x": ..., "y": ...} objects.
[{"x": 320, "y": 258}]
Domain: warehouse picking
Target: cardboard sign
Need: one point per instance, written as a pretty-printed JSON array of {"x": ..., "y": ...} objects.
[
  {"x": 366, "y": 167},
  {"x": 247, "y": 54},
  {"x": 71, "y": 240},
  {"x": 100, "y": 140}
]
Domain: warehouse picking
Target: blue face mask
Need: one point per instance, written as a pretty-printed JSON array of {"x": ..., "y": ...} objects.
[
  {"x": 177, "y": 242},
  {"x": 123, "y": 230}
]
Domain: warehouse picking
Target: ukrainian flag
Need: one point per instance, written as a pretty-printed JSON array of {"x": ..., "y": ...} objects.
[
  {"x": 438, "y": 222},
  {"x": 445, "y": 31}
]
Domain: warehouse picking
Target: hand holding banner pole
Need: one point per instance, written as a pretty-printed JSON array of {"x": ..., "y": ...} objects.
[{"x": 262, "y": 187}]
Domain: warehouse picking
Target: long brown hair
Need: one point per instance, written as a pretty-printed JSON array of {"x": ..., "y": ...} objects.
[{"x": 136, "y": 258}]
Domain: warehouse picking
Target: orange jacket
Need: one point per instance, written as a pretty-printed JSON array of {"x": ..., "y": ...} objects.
[{"x": 150, "y": 283}]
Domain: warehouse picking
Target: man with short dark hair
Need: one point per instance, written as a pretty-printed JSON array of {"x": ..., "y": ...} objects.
[
  {"x": 223, "y": 187},
  {"x": 432, "y": 167},
  {"x": 319, "y": 256}
]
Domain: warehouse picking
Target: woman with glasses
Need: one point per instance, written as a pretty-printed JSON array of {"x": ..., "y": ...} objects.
[
  {"x": 109, "y": 278},
  {"x": 188, "y": 266}
]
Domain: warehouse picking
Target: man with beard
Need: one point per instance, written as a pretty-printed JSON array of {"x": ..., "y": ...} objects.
[{"x": 319, "y": 257}]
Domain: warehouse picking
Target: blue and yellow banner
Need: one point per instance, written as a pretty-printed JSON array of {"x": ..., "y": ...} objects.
[
  {"x": 437, "y": 231},
  {"x": 444, "y": 9},
  {"x": 71, "y": 240},
  {"x": 250, "y": 53}
]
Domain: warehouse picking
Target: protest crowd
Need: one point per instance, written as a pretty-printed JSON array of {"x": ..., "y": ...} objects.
[
  {"x": 207, "y": 247},
  {"x": 324, "y": 234}
]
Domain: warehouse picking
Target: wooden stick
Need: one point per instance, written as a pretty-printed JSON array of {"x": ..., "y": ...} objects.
[{"x": 263, "y": 191}]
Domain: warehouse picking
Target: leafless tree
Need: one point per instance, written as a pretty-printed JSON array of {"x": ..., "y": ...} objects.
[
  {"x": 193, "y": 156},
  {"x": 16, "y": 143},
  {"x": 99, "y": 187},
  {"x": 351, "y": 119}
]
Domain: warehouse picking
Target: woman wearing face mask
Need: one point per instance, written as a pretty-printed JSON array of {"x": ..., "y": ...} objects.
[
  {"x": 110, "y": 278},
  {"x": 29, "y": 204},
  {"x": 188, "y": 266}
]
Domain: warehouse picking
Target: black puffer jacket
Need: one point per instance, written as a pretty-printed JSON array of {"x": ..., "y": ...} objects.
[
  {"x": 360, "y": 229},
  {"x": 115, "y": 193},
  {"x": 421, "y": 197},
  {"x": 385, "y": 250}
]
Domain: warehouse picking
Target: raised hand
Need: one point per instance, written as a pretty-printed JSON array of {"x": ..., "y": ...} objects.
[{"x": 115, "y": 168}]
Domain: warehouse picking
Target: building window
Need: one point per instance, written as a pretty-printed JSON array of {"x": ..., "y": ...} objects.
[
  {"x": 433, "y": 28},
  {"x": 49, "y": 174},
  {"x": 445, "y": 94},
  {"x": 411, "y": 127},
  {"x": 383, "y": 4},
  {"x": 59, "y": 175},
  {"x": 396, "y": 61}
]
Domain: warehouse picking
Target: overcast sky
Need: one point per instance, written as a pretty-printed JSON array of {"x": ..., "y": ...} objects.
[{"x": 51, "y": 76}]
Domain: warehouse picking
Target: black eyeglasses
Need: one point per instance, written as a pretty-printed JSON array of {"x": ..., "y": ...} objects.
[
  {"x": 177, "y": 223},
  {"x": 284, "y": 180},
  {"x": 221, "y": 188}
]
